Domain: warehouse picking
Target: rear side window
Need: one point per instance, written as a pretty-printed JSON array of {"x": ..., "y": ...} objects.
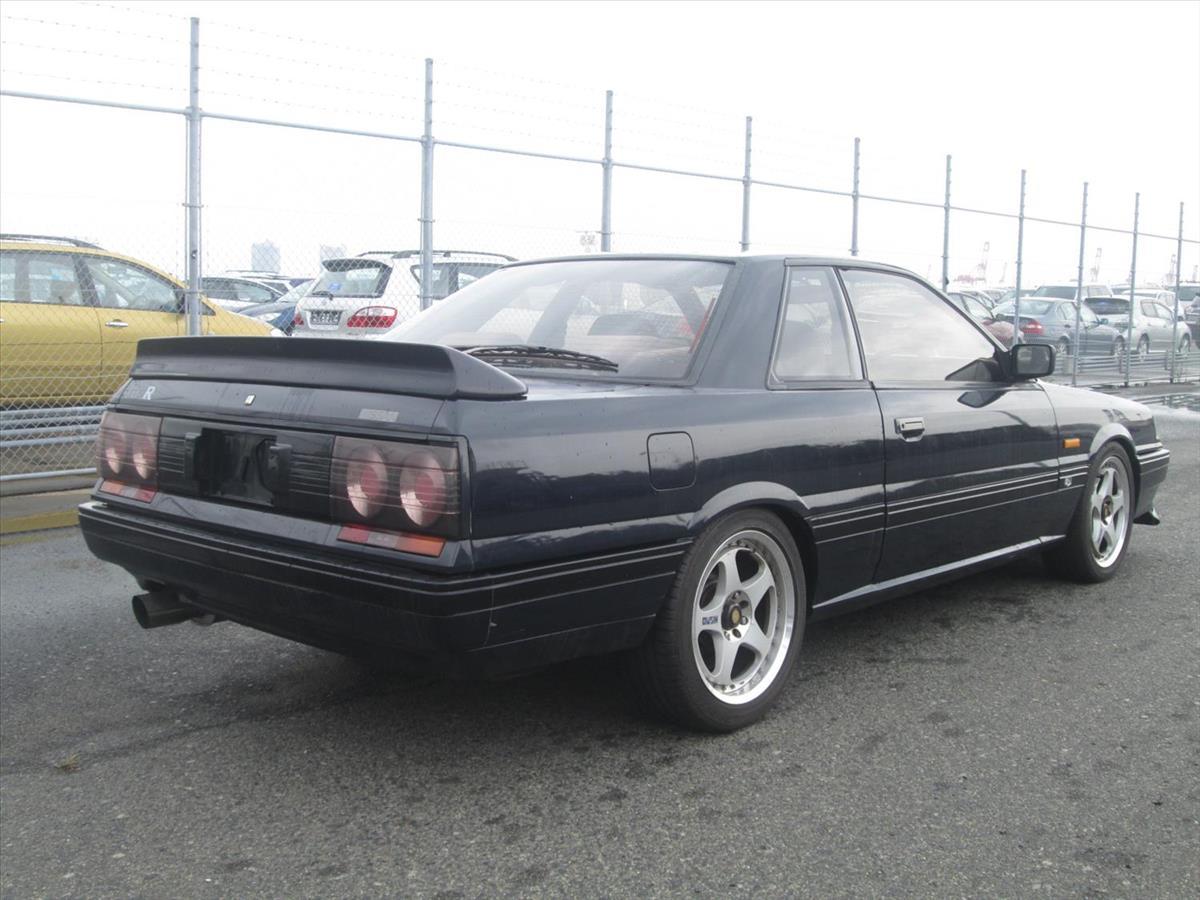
[
  {"x": 352, "y": 278},
  {"x": 815, "y": 340},
  {"x": 448, "y": 277},
  {"x": 39, "y": 278},
  {"x": 909, "y": 333}
]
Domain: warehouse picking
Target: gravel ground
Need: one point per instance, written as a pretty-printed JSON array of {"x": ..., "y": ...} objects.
[{"x": 1008, "y": 735}]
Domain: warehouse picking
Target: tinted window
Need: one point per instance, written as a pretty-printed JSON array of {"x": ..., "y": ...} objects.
[
  {"x": 39, "y": 278},
  {"x": 122, "y": 286},
  {"x": 1062, "y": 291},
  {"x": 815, "y": 337},
  {"x": 909, "y": 333},
  {"x": 352, "y": 278},
  {"x": 645, "y": 315}
]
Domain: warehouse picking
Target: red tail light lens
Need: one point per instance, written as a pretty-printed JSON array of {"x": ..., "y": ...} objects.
[
  {"x": 373, "y": 317},
  {"x": 127, "y": 454},
  {"x": 297, "y": 319},
  {"x": 396, "y": 485},
  {"x": 1031, "y": 326}
]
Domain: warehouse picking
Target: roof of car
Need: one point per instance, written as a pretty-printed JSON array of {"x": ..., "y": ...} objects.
[
  {"x": 783, "y": 258},
  {"x": 31, "y": 245}
]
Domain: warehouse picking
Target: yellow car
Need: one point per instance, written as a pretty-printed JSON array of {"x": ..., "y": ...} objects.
[{"x": 71, "y": 315}]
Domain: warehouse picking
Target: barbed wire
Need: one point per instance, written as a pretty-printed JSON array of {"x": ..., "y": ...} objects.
[
  {"x": 241, "y": 53},
  {"x": 317, "y": 84},
  {"x": 133, "y": 9},
  {"x": 89, "y": 27},
  {"x": 100, "y": 53},
  {"x": 322, "y": 44},
  {"x": 179, "y": 89}
]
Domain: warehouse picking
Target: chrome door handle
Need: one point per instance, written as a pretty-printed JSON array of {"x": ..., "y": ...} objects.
[
  {"x": 910, "y": 429},
  {"x": 116, "y": 323}
]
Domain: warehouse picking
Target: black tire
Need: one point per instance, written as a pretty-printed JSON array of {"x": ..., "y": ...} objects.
[
  {"x": 1063, "y": 347},
  {"x": 1074, "y": 557},
  {"x": 1119, "y": 349},
  {"x": 666, "y": 667}
]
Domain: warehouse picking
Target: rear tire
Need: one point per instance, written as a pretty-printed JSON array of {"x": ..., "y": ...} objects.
[
  {"x": 730, "y": 631},
  {"x": 1143, "y": 348},
  {"x": 1097, "y": 539}
]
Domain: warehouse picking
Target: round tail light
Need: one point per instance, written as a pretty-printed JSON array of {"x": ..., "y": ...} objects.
[
  {"x": 113, "y": 450},
  {"x": 423, "y": 488},
  {"x": 145, "y": 454},
  {"x": 367, "y": 482}
]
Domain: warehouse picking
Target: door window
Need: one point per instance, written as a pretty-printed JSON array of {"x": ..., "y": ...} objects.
[
  {"x": 909, "y": 333},
  {"x": 1087, "y": 317},
  {"x": 39, "y": 278},
  {"x": 119, "y": 285},
  {"x": 254, "y": 293},
  {"x": 816, "y": 340}
]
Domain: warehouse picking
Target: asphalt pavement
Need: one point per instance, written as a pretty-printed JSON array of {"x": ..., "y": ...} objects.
[{"x": 1008, "y": 735}]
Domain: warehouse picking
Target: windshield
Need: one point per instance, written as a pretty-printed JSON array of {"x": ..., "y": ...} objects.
[
  {"x": 1062, "y": 291},
  {"x": 352, "y": 278},
  {"x": 645, "y": 315},
  {"x": 1029, "y": 307}
]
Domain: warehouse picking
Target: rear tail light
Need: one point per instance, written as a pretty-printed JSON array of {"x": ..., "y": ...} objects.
[
  {"x": 373, "y": 317},
  {"x": 297, "y": 319},
  {"x": 1031, "y": 326},
  {"x": 395, "y": 486},
  {"x": 127, "y": 455}
]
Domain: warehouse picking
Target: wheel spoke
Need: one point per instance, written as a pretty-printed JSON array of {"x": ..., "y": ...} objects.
[
  {"x": 754, "y": 638},
  {"x": 727, "y": 575},
  {"x": 758, "y": 585},
  {"x": 1097, "y": 529},
  {"x": 1118, "y": 504},
  {"x": 725, "y": 652},
  {"x": 1110, "y": 532}
]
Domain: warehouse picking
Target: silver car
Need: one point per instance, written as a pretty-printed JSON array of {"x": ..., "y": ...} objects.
[
  {"x": 367, "y": 295},
  {"x": 1154, "y": 326}
]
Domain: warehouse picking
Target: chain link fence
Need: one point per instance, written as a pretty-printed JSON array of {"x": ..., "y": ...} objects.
[{"x": 313, "y": 165}]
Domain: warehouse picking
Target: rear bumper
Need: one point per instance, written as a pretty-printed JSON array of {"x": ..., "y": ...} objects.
[{"x": 491, "y": 622}]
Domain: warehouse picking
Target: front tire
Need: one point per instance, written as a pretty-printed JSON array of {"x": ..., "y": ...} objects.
[
  {"x": 1098, "y": 537},
  {"x": 730, "y": 631}
]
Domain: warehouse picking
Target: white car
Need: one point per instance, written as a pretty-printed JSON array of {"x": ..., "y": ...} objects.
[{"x": 366, "y": 295}]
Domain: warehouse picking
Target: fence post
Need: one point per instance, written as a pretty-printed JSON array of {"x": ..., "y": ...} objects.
[
  {"x": 854, "y": 202},
  {"x": 1175, "y": 310},
  {"x": 746, "y": 192},
  {"x": 607, "y": 166},
  {"x": 1016, "y": 339},
  {"x": 1137, "y": 202},
  {"x": 195, "y": 270},
  {"x": 427, "y": 193},
  {"x": 946, "y": 232},
  {"x": 1075, "y": 348}
]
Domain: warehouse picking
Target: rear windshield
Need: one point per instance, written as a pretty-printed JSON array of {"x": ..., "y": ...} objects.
[
  {"x": 645, "y": 316},
  {"x": 352, "y": 278},
  {"x": 448, "y": 277},
  {"x": 1028, "y": 307},
  {"x": 1109, "y": 305},
  {"x": 1062, "y": 291}
]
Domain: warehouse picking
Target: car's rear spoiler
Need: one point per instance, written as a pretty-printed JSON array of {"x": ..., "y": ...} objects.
[{"x": 422, "y": 370}]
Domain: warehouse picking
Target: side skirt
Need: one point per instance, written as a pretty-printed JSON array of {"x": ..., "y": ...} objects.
[{"x": 907, "y": 584}]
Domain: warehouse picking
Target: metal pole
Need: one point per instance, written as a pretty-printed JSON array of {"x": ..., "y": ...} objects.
[
  {"x": 1079, "y": 288},
  {"x": 427, "y": 193},
  {"x": 607, "y": 167},
  {"x": 191, "y": 303},
  {"x": 946, "y": 231},
  {"x": 854, "y": 204},
  {"x": 1020, "y": 258},
  {"x": 1137, "y": 202},
  {"x": 746, "y": 193},
  {"x": 1175, "y": 310}
]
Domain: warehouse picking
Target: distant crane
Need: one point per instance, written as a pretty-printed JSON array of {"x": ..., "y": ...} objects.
[
  {"x": 979, "y": 273},
  {"x": 1094, "y": 271}
]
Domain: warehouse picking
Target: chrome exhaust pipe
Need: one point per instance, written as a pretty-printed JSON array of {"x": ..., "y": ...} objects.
[{"x": 157, "y": 608}]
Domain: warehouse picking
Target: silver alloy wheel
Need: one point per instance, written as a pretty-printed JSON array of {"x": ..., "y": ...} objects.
[
  {"x": 743, "y": 617},
  {"x": 1110, "y": 512}
]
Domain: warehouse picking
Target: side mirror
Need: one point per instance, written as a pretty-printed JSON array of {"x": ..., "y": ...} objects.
[{"x": 1031, "y": 361}]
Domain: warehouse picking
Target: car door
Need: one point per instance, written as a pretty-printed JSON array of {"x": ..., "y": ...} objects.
[
  {"x": 49, "y": 333},
  {"x": 133, "y": 303},
  {"x": 970, "y": 457},
  {"x": 1161, "y": 325}
]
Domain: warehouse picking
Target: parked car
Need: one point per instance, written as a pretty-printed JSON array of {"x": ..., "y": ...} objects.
[
  {"x": 1011, "y": 294},
  {"x": 695, "y": 495},
  {"x": 1154, "y": 327},
  {"x": 1045, "y": 320},
  {"x": 366, "y": 295},
  {"x": 1000, "y": 329},
  {"x": 1072, "y": 291},
  {"x": 280, "y": 313},
  {"x": 280, "y": 283},
  {"x": 235, "y": 294},
  {"x": 1189, "y": 303},
  {"x": 71, "y": 314}
]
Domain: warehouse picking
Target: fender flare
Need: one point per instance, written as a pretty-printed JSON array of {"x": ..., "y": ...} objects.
[{"x": 741, "y": 496}]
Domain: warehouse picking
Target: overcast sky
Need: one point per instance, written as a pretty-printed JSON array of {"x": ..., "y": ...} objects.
[{"x": 1103, "y": 92}]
